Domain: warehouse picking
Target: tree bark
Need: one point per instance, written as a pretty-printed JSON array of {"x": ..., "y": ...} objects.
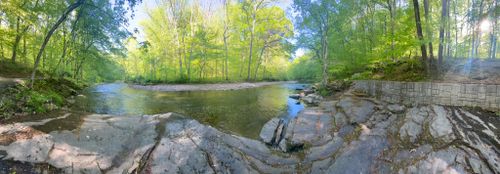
[
  {"x": 419, "y": 30},
  {"x": 49, "y": 35},
  {"x": 252, "y": 32},
  {"x": 441, "y": 30},
  {"x": 19, "y": 34},
  {"x": 428, "y": 28},
  {"x": 225, "y": 36},
  {"x": 493, "y": 37}
]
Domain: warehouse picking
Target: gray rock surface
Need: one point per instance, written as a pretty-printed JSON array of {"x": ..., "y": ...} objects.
[
  {"x": 267, "y": 132},
  {"x": 312, "y": 127},
  {"x": 440, "y": 126},
  {"x": 356, "y": 110},
  {"x": 312, "y": 99},
  {"x": 396, "y": 109},
  {"x": 413, "y": 123},
  {"x": 369, "y": 140}
]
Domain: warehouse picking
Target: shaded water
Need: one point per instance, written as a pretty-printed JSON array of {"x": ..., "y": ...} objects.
[{"x": 242, "y": 112}]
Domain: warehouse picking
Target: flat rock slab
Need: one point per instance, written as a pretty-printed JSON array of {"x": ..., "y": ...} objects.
[
  {"x": 356, "y": 110},
  {"x": 312, "y": 127}
]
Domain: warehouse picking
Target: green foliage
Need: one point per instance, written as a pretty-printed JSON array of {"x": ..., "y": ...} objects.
[
  {"x": 360, "y": 34},
  {"x": 83, "y": 47},
  {"x": 305, "y": 69},
  {"x": 47, "y": 94},
  {"x": 199, "y": 40}
]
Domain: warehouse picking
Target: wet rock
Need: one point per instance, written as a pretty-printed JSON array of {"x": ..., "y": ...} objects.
[
  {"x": 396, "y": 109},
  {"x": 440, "y": 126},
  {"x": 357, "y": 110}
]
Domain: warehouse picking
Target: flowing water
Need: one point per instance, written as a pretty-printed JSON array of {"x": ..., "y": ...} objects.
[{"x": 241, "y": 112}]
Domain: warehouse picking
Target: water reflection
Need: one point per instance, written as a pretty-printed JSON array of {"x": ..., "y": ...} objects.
[{"x": 241, "y": 112}]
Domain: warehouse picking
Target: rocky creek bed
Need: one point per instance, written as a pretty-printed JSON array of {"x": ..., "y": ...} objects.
[{"x": 347, "y": 135}]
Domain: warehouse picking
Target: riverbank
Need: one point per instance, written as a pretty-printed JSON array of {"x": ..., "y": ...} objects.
[{"x": 206, "y": 87}]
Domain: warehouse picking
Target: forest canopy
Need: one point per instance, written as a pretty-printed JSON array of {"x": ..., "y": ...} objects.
[{"x": 242, "y": 40}]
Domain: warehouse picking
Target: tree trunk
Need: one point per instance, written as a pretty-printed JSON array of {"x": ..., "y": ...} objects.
[
  {"x": 428, "y": 28},
  {"x": 493, "y": 37},
  {"x": 225, "y": 36},
  {"x": 252, "y": 31},
  {"x": 392, "y": 13},
  {"x": 260, "y": 60},
  {"x": 324, "y": 53},
  {"x": 455, "y": 50},
  {"x": 441, "y": 30},
  {"x": 420, "y": 35},
  {"x": 477, "y": 33},
  {"x": 49, "y": 35},
  {"x": 19, "y": 34},
  {"x": 448, "y": 31}
]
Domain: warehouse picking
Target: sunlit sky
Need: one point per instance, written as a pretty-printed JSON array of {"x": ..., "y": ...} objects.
[{"x": 140, "y": 15}]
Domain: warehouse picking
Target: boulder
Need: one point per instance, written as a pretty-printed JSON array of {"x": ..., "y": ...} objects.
[{"x": 267, "y": 132}]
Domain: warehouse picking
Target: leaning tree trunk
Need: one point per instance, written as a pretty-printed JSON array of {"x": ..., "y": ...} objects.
[{"x": 49, "y": 35}]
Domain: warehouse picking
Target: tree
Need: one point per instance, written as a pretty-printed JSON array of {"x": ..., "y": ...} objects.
[
  {"x": 49, "y": 35},
  {"x": 420, "y": 35},
  {"x": 444, "y": 13},
  {"x": 315, "y": 21}
]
